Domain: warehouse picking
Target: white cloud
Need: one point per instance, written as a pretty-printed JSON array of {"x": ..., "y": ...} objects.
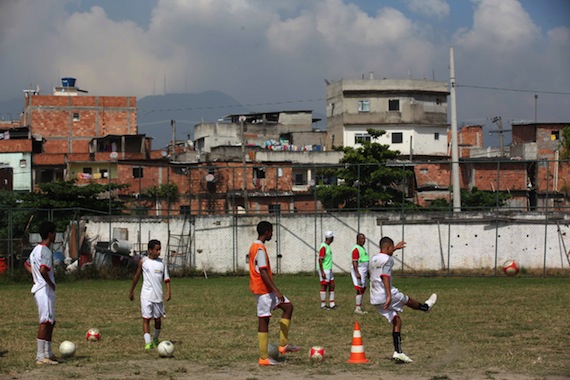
[
  {"x": 435, "y": 8},
  {"x": 264, "y": 51}
]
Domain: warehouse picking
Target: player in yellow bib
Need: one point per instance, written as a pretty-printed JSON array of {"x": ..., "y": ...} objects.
[
  {"x": 359, "y": 270},
  {"x": 326, "y": 275}
]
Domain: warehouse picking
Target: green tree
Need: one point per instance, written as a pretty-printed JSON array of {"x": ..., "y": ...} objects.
[
  {"x": 565, "y": 142},
  {"x": 474, "y": 200},
  {"x": 166, "y": 191},
  {"x": 368, "y": 181},
  {"x": 67, "y": 197}
]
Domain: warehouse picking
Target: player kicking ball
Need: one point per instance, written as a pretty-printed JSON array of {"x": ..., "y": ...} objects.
[{"x": 388, "y": 300}]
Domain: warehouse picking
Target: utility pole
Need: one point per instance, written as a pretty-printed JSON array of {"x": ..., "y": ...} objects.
[
  {"x": 245, "y": 199},
  {"x": 497, "y": 120},
  {"x": 173, "y": 125},
  {"x": 454, "y": 146}
]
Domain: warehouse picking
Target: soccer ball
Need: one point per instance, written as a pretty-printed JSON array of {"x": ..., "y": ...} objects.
[
  {"x": 67, "y": 349},
  {"x": 317, "y": 354},
  {"x": 273, "y": 350},
  {"x": 165, "y": 349},
  {"x": 93, "y": 335},
  {"x": 511, "y": 268}
]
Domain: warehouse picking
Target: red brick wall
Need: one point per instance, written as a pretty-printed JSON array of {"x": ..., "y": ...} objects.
[{"x": 11, "y": 146}]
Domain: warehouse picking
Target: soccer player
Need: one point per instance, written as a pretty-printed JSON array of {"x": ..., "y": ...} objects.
[
  {"x": 359, "y": 270},
  {"x": 326, "y": 276},
  {"x": 154, "y": 272},
  {"x": 388, "y": 300},
  {"x": 268, "y": 297},
  {"x": 40, "y": 265}
]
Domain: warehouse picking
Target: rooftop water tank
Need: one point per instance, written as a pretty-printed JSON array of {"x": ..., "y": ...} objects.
[{"x": 68, "y": 82}]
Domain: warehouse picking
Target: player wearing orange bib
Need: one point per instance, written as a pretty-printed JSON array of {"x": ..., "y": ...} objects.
[{"x": 268, "y": 297}]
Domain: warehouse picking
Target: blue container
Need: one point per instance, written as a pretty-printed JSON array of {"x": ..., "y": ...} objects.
[{"x": 68, "y": 82}]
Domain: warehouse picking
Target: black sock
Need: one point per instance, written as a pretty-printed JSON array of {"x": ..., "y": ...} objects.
[
  {"x": 424, "y": 307},
  {"x": 397, "y": 342}
]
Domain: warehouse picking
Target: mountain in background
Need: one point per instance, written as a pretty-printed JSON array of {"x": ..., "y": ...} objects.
[{"x": 156, "y": 112}]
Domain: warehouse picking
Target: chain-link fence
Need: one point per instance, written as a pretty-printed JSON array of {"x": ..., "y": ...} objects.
[{"x": 510, "y": 209}]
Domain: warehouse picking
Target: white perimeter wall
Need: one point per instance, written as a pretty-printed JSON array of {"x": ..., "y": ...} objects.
[{"x": 220, "y": 243}]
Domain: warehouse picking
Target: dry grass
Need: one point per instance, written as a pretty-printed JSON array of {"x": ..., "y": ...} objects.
[{"x": 512, "y": 325}]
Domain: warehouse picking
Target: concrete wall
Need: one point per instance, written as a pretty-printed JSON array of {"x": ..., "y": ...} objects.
[{"x": 470, "y": 241}]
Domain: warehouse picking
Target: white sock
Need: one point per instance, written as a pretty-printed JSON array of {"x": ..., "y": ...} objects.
[
  {"x": 358, "y": 300},
  {"x": 331, "y": 299},
  {"x": 146, "y": 338},
  {"x": 323, "y": 298},
  {"x": 41, "y": 349},
  {"x": 49, "y": 352},
  {"x": 156, "y": 333}
]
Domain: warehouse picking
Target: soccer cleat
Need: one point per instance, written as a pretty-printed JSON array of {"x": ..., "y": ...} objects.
[
  {"x": 401, "y": 357},
  {"x": 431, "y": 301},
  {"x": 325, "y": 308},
  {"x": 154, "y": 343},
  {"x": 269, "y": 362},
  {"x": 148, "y": 346},
  {"x": 46, "y": 361},
  {"x": 332, "y": 307},
  {"x": 359, "y": 310},
  {"x": 54, "y": 358},
  {"x": 288, "y": 348}
]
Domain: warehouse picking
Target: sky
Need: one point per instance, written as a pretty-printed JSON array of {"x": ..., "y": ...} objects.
[{"x": 512, "y": 57}]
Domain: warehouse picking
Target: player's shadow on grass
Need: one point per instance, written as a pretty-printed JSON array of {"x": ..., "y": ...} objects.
[{"x": 2, "y": 353}]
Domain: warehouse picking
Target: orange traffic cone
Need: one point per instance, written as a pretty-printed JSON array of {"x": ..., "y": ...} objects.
[{"x": 357, "y": 349}]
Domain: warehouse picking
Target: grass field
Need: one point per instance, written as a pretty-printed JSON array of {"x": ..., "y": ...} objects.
[{"x": 491, "y": 326}]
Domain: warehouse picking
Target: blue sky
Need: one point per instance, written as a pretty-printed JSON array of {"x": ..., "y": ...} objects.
[{"x": 274, "y": 51}]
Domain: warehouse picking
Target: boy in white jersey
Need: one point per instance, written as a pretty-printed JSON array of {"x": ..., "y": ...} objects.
[
  {"x": 40, "y": 265},
  {"x": 388, "y": 300},
  {"x": 154, "y": 272},
  {"x": 359, "y": 270}
]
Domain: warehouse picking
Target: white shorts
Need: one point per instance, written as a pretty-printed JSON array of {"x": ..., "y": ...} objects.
[
  {"x": 266, "y": 303},
  {"x": 363, "y": 270},
  {"x": 330, "y": 276},
  {"x": 152, "y": 310},
  {"x": 399, "y": 299},
  {"x": 45, "y": 300}
]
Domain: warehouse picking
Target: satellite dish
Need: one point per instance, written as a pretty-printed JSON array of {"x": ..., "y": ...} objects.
[
  {"x": 210, "y": 178},
  {"x": 114, "y": 155},
  {"x": 241, "y": 119}
]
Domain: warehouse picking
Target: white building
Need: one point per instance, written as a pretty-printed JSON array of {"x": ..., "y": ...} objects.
[{"x": 412, "y": 112}]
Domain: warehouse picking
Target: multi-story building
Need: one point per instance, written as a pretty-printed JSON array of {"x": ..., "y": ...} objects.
[
  {"x": 412, "y": 112},
  {"x": 76, "y": 135}
]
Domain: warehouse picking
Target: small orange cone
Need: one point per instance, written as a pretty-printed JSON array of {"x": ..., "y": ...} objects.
[{"x": 357, "y": 350}]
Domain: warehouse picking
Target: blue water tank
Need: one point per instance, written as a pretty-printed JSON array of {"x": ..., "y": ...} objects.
[{"x": 68, "y": 82}]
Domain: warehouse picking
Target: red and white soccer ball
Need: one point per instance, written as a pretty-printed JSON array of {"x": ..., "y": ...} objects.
[
  {"x": 511, "y": 268},
  {"x": 317, "y": 354},
  {"x": 93, "y": 335}
]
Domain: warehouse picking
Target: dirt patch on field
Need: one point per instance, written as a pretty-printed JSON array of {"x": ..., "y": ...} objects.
[{"x": 178, "y": 369}]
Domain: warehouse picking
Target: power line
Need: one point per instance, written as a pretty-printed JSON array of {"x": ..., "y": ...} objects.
[
  {"x": 236, "y": 105},
  {"x": 513, "y": 89}
]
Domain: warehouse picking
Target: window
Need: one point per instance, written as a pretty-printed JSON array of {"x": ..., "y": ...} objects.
[
  {"x": 394, "y": 105},
  {"x": 299, "y": 179},
  {"x": 138, "y": 172},
  {"x": 76, "y": 116},
  {"x": 184, "y": 210},
  {"x": 397, "y": 137},
  {"x": 104, "y": 173},
  {"x": 87, "y": 170},
  {"x": 361, "y": 138},
  {"x": 274, "y": 208},
  {"x": 555, "y": 135},
  {"x": 363, "y": 106},
  {"x": 436, "y": 136},
  {"x": 259, "y": 173}
]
